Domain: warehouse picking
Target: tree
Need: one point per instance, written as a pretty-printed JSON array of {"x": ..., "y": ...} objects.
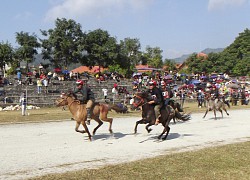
[
  {"x": 6, "y": 54},
  {"x": 64, "y": 44},
  {"x": 101, "y": 48},
  {"x": 28, "y": 47},
  {"x": 170, "y": 64},
  {"x": 129, "y": 55},
  {"x": 154, "y": 57}
]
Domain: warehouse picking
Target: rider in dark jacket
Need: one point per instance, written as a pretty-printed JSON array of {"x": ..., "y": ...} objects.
[
  {"x": 88, "y": 97},
  {"x": 158, "y": 100}
]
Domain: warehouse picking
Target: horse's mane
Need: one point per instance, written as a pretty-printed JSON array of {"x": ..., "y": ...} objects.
[
  {"x": 144, "y": 94},
  {"x": 71, "y": 94}
]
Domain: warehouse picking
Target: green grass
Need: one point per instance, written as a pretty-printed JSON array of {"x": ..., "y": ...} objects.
[
  {"x": 224, "y": 162},
  {"x": 57, "y": 114}
]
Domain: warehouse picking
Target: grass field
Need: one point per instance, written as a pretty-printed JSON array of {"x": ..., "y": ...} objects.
[
  {"x": 223, "y": 163},
  {"x": 57, "y": 114}
]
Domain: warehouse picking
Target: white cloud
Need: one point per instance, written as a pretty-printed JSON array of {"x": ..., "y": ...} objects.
[
  {"x": 79, "y": 8},
  {"x": 220, "y": 4}
]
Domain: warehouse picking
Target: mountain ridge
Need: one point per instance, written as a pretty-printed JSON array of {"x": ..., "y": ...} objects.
[{"x": 206, "y": 51}]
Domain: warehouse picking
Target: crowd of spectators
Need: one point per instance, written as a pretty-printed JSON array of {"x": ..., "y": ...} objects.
[
  {"x": 198, "y": 86},
  {"x": 182, "y": 86}
]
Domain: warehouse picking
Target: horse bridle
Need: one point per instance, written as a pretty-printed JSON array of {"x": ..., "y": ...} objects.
[
  {"x": 62, "y": 99},
  {"x": 65, "y": 99},
  {"x": 141, "y": 102}
]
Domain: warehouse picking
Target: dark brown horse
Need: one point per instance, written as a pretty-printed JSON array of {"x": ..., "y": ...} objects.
[
  {"x": 179, "y": 113},
  {"x": 148, "y": 115},
  {"x": 99, "y": 113}
]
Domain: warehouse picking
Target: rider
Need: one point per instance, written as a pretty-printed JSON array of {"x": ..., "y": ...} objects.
[
  {"x": 215, "y": 93},
  {"x": 158, "y": 100},
  {"x": 165, "y": 93},
  {"x": 88, "y": 97}
]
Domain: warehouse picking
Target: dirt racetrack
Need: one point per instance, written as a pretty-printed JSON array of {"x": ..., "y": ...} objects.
[{"x": 35, "y": 149}]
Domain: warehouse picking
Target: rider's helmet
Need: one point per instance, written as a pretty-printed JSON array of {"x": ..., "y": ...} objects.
[
  {"x": 79, "y": 82},
  {"x": 152, "y": 83},
  {"x": 163, "y": 83}
]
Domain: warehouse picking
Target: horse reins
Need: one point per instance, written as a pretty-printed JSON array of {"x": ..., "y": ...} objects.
[
  {"x": 65, "y": 99},
  {"x": 140, "y": 102}
]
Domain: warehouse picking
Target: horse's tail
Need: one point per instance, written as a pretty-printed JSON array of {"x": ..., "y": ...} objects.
[
  {"x": 183, "y": 117},
  {"x": 118, "y": 109},
  {"x": 114, "y": 107}
]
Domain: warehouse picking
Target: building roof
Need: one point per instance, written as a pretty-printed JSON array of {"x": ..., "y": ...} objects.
[
  {"x": 92, "y": 70},
  {"x": 201, "y": 54}
]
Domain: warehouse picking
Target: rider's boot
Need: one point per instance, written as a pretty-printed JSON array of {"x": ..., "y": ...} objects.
[
  {"x": 157, "y": 121},
  {"x": 88, "y": 116}
]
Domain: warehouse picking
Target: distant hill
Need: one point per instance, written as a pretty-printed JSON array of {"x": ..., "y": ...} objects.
[
  {"x": 39, "y": 60},
  {"x": 209, "y": 50},
  {"x": 206, "y": 51}
]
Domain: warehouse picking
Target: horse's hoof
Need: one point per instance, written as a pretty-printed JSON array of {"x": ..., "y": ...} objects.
[{"x": 149, "y": 130}]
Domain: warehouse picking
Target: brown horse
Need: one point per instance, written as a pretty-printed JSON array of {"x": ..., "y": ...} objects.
[
  {"x": 79, "y": 112},
  {"x": 148, "y": 115}
]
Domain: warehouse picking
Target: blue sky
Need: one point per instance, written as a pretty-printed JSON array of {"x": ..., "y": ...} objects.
[{"x": 176, "y": 26}]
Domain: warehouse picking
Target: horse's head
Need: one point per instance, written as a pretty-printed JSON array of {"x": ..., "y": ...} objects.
[
  {"x": 64, "y": 99},
  {"x": 140, "y": 98}
]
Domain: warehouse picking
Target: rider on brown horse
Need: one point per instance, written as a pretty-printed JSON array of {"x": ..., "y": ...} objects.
[
  {"x": 87, "y": 96},
  {"x": 158, "y": 100}
]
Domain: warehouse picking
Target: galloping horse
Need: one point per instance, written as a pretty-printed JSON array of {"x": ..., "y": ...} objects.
[
  {"x": 148, "y": 115},
  {"x": 213, "y": 105},
  {"x": 79, "y": 112},
  {"x": 177, "y": 108}
]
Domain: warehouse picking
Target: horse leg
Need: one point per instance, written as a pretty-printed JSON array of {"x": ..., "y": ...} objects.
[
  {"x": 77, "y": 128},
  {"x": 136, "y": 124},
  {"x": 167, "y": 129},
  {"x": 215, "y": 114},
  {"x": 205, "y": 113},
  {"x": 179, "y": 108},
  {"x": 174, "y": 120},
  {"x": 110, "y": 125},
  {"x": 142, "y": 121},
  {"x": 99, "y": 124},
  {"x": 226, "y": 111},
  {"x": 110, "y": 120},
  {"x": 221, "y": 113},
  {"x": 104, "y": 117},
  {"x": 86, "y": 129},
  {"x": 149, "y": 129}
]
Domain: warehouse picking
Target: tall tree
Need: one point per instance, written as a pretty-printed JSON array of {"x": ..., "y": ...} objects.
[
  {"x": 6, "y": 54},
  {"x": 130, "y": 54},
  {"x": 154, "y": 56},
  {"x": 64, "y": 44},
  {"x": 28, "y": 47},
  {"x": 101, "y": 48}
]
